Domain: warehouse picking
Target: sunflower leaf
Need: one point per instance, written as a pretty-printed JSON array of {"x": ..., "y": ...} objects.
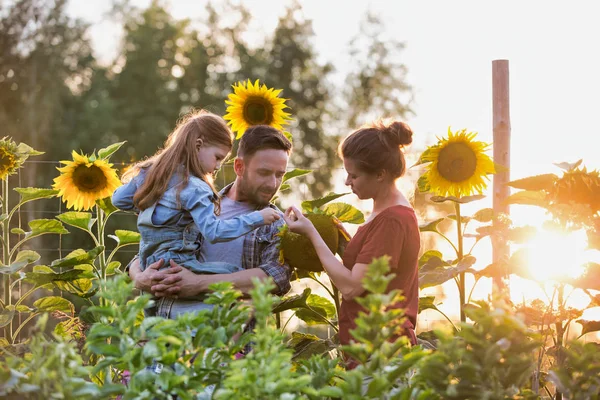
[
  {"x": 112, "y": 267},
  {"x": 345, "y": 212},
  {"x": 291, "y": 302},
  {"x": 588, "y": 326},
  {"x": 23, "y": 259},
  {"x": 436, "y": 276},
  {"x": 43, "y": 226},
  {"x": 124, "y": 237},
  {"x": 484, "y": 215},
  {"x": 78, "y": 257},
  {"x": 569, "y": 166},
  {"x": 42, "y": 278},
  {"x": 81, "y": 220},
  {"x": 26, "y": 150},
  {"x": 535, "y": 183},
  {"x": 460, "y": 200},
  {"x": 106, "y": 152},
  {"x": 427, "y": 255},
  {"x": 423, "y": 184},
  {"x": 54, "y": 303},
  {"x": 431, "y": 226},
  {"x": 308, "y": 205},
  {"x": 29, "y": 194},
  {"x": 6, "y": 316},
  {"x": 283, "y": 188},
  {"x": 426, "y": 303},
  {"x": 288, "y": 136},
  {"x": 82, "y": 287},
  {"x": 106, "y": 205},
  {"x": 528, "y": 197},
  {"x": 295, "y": 173}
]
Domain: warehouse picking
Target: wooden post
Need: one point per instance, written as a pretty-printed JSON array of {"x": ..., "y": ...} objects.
[{"x": 501, "y": 109}]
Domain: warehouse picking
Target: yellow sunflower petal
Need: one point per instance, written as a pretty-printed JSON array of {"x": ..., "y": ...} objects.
[{"x": 252, "y": 104}]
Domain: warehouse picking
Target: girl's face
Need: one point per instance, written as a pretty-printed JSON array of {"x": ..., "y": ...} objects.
[
  {"x": 363, "y": 184},
  {"x": 211, "y": 156}
]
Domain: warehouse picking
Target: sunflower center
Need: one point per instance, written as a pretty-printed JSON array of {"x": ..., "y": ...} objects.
[
  {"x": 258, "y": 111},
  {"x": 457, "y": 162},
  {"x": 89, "y": 179}
]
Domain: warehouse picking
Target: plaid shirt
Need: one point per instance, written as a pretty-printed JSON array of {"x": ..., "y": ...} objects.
[{"x": 261, "y": 250}]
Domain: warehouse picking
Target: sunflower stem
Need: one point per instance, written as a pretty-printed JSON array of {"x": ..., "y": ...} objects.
[
  {"x": 102, "y": 255},
  {"x": 5, "y": 249},
  {"x": 461, "y": 281}
]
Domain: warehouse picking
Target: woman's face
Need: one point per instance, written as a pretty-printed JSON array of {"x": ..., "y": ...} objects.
[
  {"x": 362, "y": 183},
  {"x": 211, "y": 156}
]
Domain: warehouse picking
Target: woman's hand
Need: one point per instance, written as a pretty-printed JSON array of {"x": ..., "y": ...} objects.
[{"x": 297, "y": 222}]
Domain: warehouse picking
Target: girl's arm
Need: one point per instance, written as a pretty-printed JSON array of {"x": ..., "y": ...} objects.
[
  {"x": 196, "y": 198},
  {"x": 122, "y": 198}
]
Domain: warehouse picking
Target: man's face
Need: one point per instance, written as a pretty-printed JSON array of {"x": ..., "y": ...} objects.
[{"x": 260, "y": 176}]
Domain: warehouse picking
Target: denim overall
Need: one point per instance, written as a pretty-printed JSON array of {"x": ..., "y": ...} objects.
[{"x": 177, "y": 243}]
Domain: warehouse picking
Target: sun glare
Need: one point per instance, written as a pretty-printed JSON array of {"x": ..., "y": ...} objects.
[{"x": 555, "y": 255}]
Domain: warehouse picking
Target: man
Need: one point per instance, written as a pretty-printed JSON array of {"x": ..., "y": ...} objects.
[{"x": 259, "y": 167}]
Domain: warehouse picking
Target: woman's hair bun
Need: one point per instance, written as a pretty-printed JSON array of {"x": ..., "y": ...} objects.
[{"x": 399, "y": 133}]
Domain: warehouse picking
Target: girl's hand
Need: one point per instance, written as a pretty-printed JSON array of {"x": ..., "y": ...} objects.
[
  {"x": 297, "y": 222},
  {"x": 269, "y": 215}
]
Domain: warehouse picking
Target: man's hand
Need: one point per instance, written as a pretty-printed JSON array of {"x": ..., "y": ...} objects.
[
  {"x": 178, "y": 282},
  {"x": 153, "y": 275}
]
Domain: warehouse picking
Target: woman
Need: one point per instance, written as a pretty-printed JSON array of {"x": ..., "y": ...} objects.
[{"x": 374, "y": 159}]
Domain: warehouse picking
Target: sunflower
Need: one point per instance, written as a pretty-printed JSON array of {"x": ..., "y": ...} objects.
[
  {"x": 458, "y": 165},
  {"x": 580, "y": 187},
  {"x": 250, "y": 105},
  {"x": 85, "y": 180},
  {"x": 10, "y": 158}
]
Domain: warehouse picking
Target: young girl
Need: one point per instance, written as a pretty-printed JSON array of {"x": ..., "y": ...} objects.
[{"x": 176, "y": 201}]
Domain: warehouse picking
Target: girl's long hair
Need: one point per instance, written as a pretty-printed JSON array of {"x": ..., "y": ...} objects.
[{"x": 180, "y": 149}]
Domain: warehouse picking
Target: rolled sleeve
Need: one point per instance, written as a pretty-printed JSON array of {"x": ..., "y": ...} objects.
[{"x": 280, "y": 273}]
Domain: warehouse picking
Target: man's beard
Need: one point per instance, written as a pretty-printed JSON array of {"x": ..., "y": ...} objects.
[{"x": 252, "y": 195}]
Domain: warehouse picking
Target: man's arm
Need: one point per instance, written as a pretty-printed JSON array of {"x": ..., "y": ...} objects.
[
  {"x": 185, "y": 283},
  {"x": 144, "y": 280}
]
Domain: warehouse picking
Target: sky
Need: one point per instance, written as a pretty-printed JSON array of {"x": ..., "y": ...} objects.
[
  {"x": 552, "y": 51},
  {"x": 552, "y": 48}
]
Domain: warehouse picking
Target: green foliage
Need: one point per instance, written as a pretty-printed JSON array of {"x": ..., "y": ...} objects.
[
  {"x": 489, "y": 359},
  {"x": 51, "y": 369},
  {"x": 579, "y": 377}
]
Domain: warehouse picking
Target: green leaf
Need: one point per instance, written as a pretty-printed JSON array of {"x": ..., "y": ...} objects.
[
  {"x": 424, "y": 157},
  {"x": 54, "y": 303},
  {"x": 292, "y": 302},
  {"x": 83, "y": 287},
  {"x": 18, "y": 231},
  {"x": 423, "y": 184},
  {"x": 484, "y": 215},
  {"x": 345, "y": 212},
  {"x": 433, "y": 262},
  {"x": 29, "y": 194},
  {"x": 112, "y": 267},
  {"x": 44, "y": 226},
  {"x": 24, "y": 258},
  {"x": 309, "y": 205},
  {"x": 312, "y": 316},
  {"x": 288, "y": 136},
  {"x": 568, "y": 166},
  {"x": 81, "y": 220},
  {"x": 427, "y": 255},
  {"x": 426, "y": 303},
  {"x": 42, "y": 278},
  {"x": 430, "y": 226},
  {"x": 123, "y": 237},
  {"x": 535, "y": 183},
  {"x": 106, "y": 152},
  {"x": 284, "y": 187},
  {"x": 6, "y": 316},
  {"x": 528, "y": 197},
  {"x": 460, "y": 200},
  {"x": 321, "y": 302},
  {"x": 78, "y": 257},
  {"x": 306, "y": 345},
  {"x": 106, "y": 205},
  {"x": 295, "y": 173},
  {"x": 588, "y": 326},
  {"x": 26, "y": 150},
  {"x": 437, "y": 276}
]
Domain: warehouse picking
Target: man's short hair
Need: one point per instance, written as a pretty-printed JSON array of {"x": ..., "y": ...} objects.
[{"x": 262, "y": 137}]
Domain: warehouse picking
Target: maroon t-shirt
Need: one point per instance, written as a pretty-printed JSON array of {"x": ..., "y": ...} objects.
[{"x": 393, "y": 232}]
